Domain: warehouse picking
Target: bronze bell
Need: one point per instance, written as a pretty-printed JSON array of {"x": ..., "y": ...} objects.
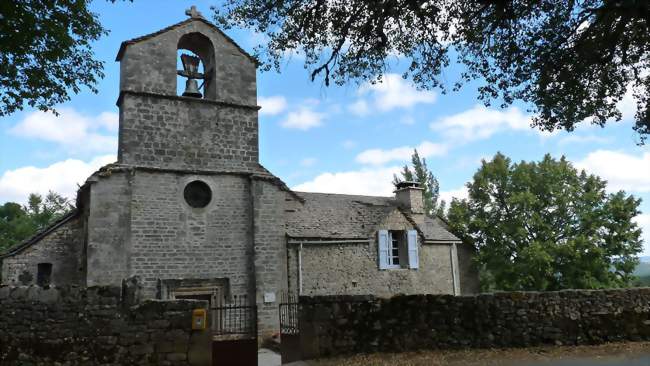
[
  {"x": 190, "y": 71},
  {"x": 192, "y": 89}
]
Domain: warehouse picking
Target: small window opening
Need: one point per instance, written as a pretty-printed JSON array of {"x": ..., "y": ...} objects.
[
  {"x": 197, "y": 194},
  {"x": 44, "y": 275},
  {"x": 195, "y": 62},
  {"x": 397, "y": 256}
]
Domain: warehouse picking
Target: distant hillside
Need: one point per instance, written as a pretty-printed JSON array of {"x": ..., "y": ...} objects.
[{"x": 643, "y": 269}]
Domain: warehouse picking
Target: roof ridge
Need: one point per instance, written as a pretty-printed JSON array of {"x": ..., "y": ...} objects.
[
  {"x": 344, "y": 194},
  {"x": 124, "y": 44}
]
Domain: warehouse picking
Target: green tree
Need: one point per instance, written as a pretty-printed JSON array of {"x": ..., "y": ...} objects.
[
  {"x": 546, "y": 226},
  {"x": 45, "y": 52},
  {"x": 18, "y": 223},
  {"x": 569, "y": 60},
  {"x": 427, "y": 180}
]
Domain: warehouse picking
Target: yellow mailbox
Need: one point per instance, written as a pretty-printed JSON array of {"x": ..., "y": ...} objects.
[{"x": 199, "y": 319}]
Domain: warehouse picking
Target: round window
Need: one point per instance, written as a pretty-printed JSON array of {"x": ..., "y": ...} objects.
[{"x": 197, "y": 194}]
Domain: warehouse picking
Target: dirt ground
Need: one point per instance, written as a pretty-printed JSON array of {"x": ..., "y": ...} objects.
[{"x": 606, "y": 354}]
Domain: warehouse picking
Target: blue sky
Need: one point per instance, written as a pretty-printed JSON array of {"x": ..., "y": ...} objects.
[{"x": 348, "y": 139}]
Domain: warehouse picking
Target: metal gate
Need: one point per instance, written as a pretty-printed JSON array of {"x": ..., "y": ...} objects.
[
  {"x": 234, "y": 329},
  {"x": 289, "y": 329}
]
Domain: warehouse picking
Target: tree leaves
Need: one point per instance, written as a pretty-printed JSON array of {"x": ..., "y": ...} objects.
[
  {"x": 45, "y": 52},
  {"x": 546, "y": 226},
  {"x": 18, "y": 223},
  {"x": 569, "y": 61}
]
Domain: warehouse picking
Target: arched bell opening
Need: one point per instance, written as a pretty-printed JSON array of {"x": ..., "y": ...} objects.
[{"x": 196, "y": 67}]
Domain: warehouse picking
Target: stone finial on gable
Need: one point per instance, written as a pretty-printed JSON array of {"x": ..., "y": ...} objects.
[{"x": 193, "y": 13}]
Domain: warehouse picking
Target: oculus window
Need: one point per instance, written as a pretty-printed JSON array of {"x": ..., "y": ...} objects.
[{"x": 197, "y": 194}]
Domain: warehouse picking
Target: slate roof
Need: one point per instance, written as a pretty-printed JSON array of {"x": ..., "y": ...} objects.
[
  {"x": 341, "y": 216},
  {"x": 435, "y": 229},
  {"x": 124, "y": 44},
  {"x": 337, "y": 216}
]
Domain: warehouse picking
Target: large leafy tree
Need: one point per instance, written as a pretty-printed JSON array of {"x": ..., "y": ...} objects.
[
  {"x": 546, "y": 226},
  {"x": 18, "y": 222},
  {"x": 46, "y": 53},
  {"x": 569, "y": 60},
  {"x": 419, "y": 172}
]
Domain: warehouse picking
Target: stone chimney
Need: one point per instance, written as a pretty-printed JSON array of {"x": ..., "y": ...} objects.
[{"x": 409, "y": 197}]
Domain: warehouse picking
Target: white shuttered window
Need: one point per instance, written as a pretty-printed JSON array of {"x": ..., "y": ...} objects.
[
  {"x": 412, "y": 239},
  {"x": 384, "y": 248},
  {"x": 398, "y": 249}
]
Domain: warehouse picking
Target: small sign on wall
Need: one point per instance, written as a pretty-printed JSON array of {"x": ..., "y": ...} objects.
[{"x": 269, "y": 297}]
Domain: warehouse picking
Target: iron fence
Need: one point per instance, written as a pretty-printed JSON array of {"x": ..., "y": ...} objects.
[
  {"x": 235, "y": 318},
  {"x": 289, "y": 314}
]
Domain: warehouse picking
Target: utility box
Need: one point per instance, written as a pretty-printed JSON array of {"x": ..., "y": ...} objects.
[{"x": 199, "y": 319}]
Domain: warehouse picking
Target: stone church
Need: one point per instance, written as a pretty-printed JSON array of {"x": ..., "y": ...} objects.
[{"x": 188, "y": 208}]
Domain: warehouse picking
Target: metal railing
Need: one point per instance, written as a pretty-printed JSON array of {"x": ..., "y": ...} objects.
[
  {"x": 235, "y": 318},
  {"x": 289, "y": 314}
]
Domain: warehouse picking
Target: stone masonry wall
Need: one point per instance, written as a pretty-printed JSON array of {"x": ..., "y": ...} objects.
[
  {"x": 150, "y": 65},
  {"x": 352, "y": 268},
  {"x": 270, "y": 254},
  {"x": 171, "y": 240},
  {"x": 62, "y": 248},
  {"x": 70, "y": 325},
  {"x": 337, "y": 325},
  {"x": 186, "y": 133},
  {"x": 109, "y": 217}
]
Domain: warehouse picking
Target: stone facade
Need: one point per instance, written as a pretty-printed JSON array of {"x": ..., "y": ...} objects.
[
  {"x": 187, "y": 133},
  {"x": 251, "y": 236},
  {"x": 62, "y": 247},
  {"x": 70, "y": 325},
  {"x": 347, "y": 324}
]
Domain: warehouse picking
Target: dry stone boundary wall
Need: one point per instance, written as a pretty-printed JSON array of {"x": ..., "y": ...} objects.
[
  {"x": 72, "y": 325},
  {"x": 351, "y": 324}
]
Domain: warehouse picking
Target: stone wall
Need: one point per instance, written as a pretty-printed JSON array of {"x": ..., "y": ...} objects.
[
  {"x": 468, "y": 273},
  {"x": 150, "y": 64},
  {"x": 108, "y": 229},
  {"x": 270, "y": 254},
  {"x": 186, "y": 133},
  {"x": 352, "y": 268},
  {"x": 346, "y": 324},
  {"x": 171, "y": 240},
  {"x": 70, "y": 325},
  {"x": 62, "y": 247}
]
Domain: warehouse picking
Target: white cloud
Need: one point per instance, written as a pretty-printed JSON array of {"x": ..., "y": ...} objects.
[
  {"x": 372, "y": 182},
  {"x": 303, "y": 119},
  {"x": 71, "y": 129},
  {"x": 644, "y": 223},
  {"x": 480, "y": 123},
  {"x": 359, "y": 108},
  {"x": 349, "y": 144},
  {"x": 391, "y": 93},
  {"x": 622, "y": 171},
  {"x": 460, "y": 193},
  {"x": 272, "y": 105},
  {"x": 307, "y": 162},
  {"x": 61, "y": 177},
  {"x": 403, "y": 153},
  {"x": 627, "y": 105}
]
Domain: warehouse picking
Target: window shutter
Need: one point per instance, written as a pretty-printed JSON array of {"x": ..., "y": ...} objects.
[
  {"x": 384, "y": 249},
  {"x": 414, "y": 260}
]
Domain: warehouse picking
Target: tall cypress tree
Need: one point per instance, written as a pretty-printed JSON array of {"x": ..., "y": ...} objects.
[{"x": 420, "y": 173}]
